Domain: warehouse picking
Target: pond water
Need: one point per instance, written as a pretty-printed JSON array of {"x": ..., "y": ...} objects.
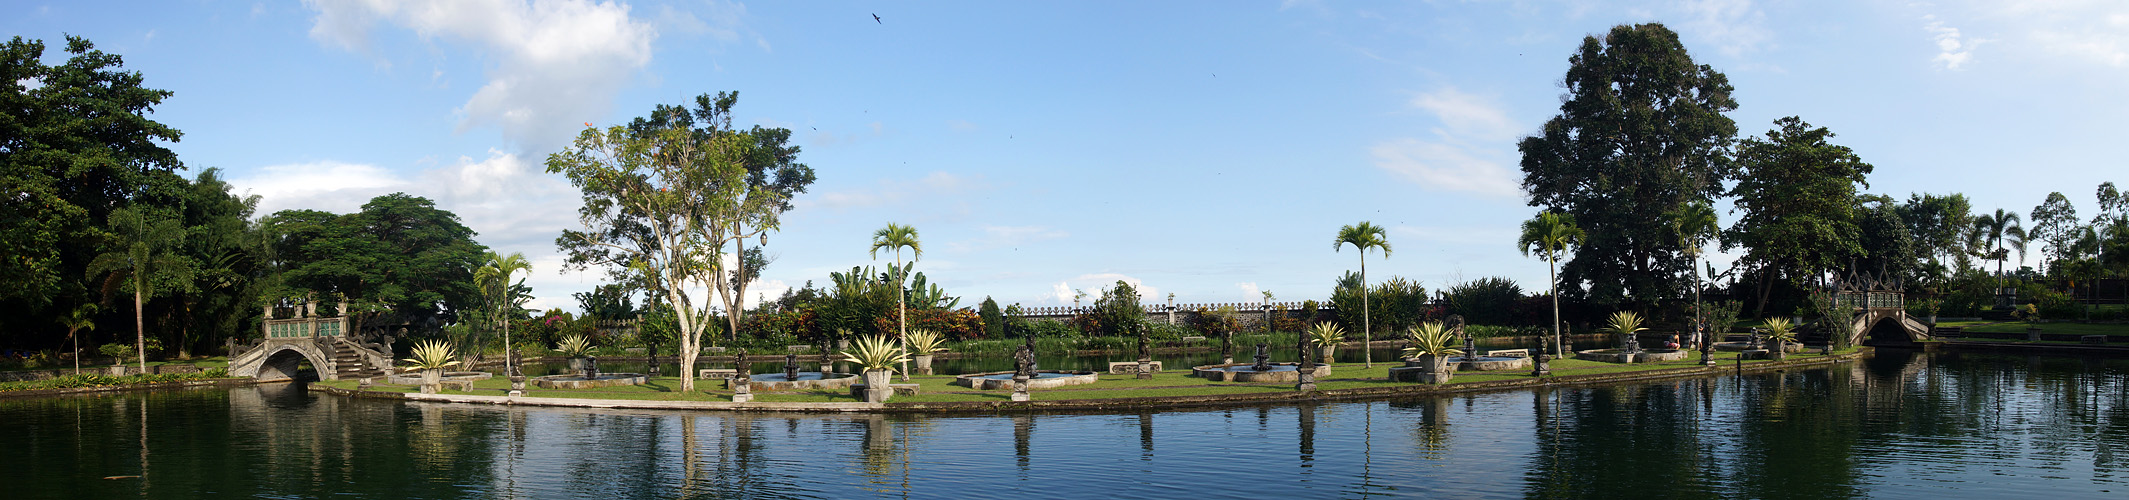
[{"x": 1903, "y": 425}]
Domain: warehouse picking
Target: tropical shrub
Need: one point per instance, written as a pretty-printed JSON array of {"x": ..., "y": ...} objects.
[
  {"x": 576, "y": 345},
  {"x": 1623, "y": 324},
  {"x": 924, "y": 342},
  {"x": 875, "y": 353},
  {"x": 1486, "y": 301},
  {"x": 1160, "y": 332},
  {"x": 1394, "y": 305},
  {"x": 1118, "y": 311},
  {"x": 993, "y": 319},
  {"x": 1326, "y": 333},
  {"x": 957, "y": 324},
  {"x": 431, "y": 354},
  {"x": 1215, "y": 323},
  {"x": 1779, "y": 329},
  {"x": 1046, "y": 328},
  {"x": 1431, "y": 339}
]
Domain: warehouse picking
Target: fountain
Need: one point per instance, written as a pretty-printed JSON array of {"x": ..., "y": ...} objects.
[
  {"x": 1025, "y": 376},
  {"x": 793, "y": 380},
  {"x": 1263, "y": 370}
]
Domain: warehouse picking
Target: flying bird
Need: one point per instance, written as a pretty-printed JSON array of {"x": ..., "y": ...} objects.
[{"x": 876, "y": 19}]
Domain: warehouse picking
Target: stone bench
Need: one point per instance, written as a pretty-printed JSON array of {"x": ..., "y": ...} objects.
[
  {"x": 798, "y": 348},
  {"x": 1508, "y": 353},
  {"x": 1193, "y": 338},
  {"x": 2093, "y": 339},
  {"x": 1129, "y": 367},
  {"x": 716, "y": 373},
  {"x": 858, "y": 390}
]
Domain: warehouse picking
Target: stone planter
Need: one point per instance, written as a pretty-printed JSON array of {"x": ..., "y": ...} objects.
[
  {"x": 580, "y": 364},
  {"x": 431, "y": 380},
  {"x": 1435, "y": 370},
  {"x": 2032, "y": 334},
  {"x": 923, "y": 363},
  {"x": 876, "y": 385},
  {"x": 1776, "y": 350},
  {"x": 1328, "y": 351}
]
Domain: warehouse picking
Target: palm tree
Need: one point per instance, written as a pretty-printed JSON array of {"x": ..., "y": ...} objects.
[
  {"x": 1550, "y": 233},
  {"x": 81, "y": 318},
  {"x": 1997, "y": 230},
  {"x": 494, "y": 279},
  {"x": 1362, "y": 237},
  {"x": 142, "y": 256},
  {"x": 1696, "y": 225},
  {"x": 895, "y": 237}
]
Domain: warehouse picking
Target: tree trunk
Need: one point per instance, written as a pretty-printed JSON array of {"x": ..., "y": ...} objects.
[
  {"x": 140, "y": 328},
  {"x": 1367, "y": 335},
  {"x": 1559, "y": 341},
  {"x": 901, "y": 288}
]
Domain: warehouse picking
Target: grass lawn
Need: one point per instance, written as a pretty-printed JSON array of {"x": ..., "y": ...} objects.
[
  {"x": 937, "y": 388},
  {"x": 2119, "y": 330}
]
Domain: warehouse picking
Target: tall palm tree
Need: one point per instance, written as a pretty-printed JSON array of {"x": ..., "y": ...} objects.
[
  {"x": 142, "y": 256},
  {"x": 1550, "y": 233},
  {"x": 81, "y": 318},
  {"x": 1997, "y": 230},
  {"x": 895, "y": 237},
  {"x": 1695, "y": 224},
  {"x": 494, "y": 280},
  {"x": 1362, "y": 237}
]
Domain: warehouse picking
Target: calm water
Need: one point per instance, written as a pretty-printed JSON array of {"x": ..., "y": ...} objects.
[{"x": 1904, "y": 425}]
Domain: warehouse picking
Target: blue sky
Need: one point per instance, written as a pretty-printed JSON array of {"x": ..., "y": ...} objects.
[{"x": 1205, "y": 149}]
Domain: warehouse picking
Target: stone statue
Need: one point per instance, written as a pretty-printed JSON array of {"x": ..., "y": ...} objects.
[
  {"x": 791, "y": 366},
  {"x": 1263, "y": 359},
  {"x": 1024, "y": 362},
  {"x": 739, "y": 364},
  {"x": 1030, "y": 347}
]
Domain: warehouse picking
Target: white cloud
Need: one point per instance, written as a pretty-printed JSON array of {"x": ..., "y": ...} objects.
[
  {"x": 1952, "y": 50},
  {"x": 1733, "y": 25},
  {"x": 1006, "y": 236},
  {"x": 1250, "y": 290},
  {"x": 892, "y": 192},
  {"x": 558, "y": 62},
  {"x": 1455, "y": 160},
  {"x": 1447, "y": 166}
]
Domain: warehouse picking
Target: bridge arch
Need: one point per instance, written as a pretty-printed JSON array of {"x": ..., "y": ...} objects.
[
  {"x": 281, "y": 362},
  {"x": 1889, "y": 331}
]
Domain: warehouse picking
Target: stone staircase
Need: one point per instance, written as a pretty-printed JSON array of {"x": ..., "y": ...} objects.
[{"x": 352, "y": 362}]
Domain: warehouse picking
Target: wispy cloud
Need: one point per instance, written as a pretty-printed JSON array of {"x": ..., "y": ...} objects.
[
  {"x": 1094, "y": 285},
  {"x": 1006, "y": 236},
  {"x": 894, "y": 192},
  {"x": 1469, "y": 152},
  {"x": 1953, "y": 50},
  {"x": 1735, "y": 26},
  {"x": 558, "y": 62}
]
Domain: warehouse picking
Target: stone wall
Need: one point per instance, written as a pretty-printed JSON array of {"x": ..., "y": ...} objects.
[{"x": 1252, "y": 315}]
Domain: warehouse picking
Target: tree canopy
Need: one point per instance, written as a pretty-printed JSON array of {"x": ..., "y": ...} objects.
[
  {"x": 1641, "y": 132},
  {"x": 399, "y": 260},
  {"x": 1798, "y": 195}
]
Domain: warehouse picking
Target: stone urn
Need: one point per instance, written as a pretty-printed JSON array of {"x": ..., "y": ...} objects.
[
  {"x": 876, "y": 388},
  {"x": 1434, "y": 369},
  {"x": 2032, "y": 333},
  {"x": 432, "y": 379},
  {"x": 582, "y": 365},
  {"x": 923, "y": 363},
  {"x": 1774, "y": 350},
  {"x": 1327, "y": 352}
]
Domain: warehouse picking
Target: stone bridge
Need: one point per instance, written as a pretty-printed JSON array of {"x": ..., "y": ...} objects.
[
  {"x": 308, "y": 338},
  {"x": 1881, "y": 319}
]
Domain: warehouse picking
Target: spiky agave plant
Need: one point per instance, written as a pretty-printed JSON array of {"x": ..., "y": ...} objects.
[
  {"x": 1781, "y": 329},
  {"x": 1624, "y": 323},
  {"x": 1431, "y": 338},
  {"x": 575, "y": 345},
  {"x": 875, "y": 353},
  {"x": 431, "y": 354},
  {"x": 1326, "y": 333},
  {"x": 923, "y": 342}
]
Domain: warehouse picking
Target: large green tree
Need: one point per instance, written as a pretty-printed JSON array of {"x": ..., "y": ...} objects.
[
  {"x": 400, "y": 260},
  {"x": 1936, "y": 223},
  {"x": 1994, "y": 235},
  {"x": 75, "y": 144},
  {"x": 1798, "y": 195},
  {"x": 1641, "y": 132},
  {"x": 666, "y": 195},
  {"x": 2055, "y": 225}
]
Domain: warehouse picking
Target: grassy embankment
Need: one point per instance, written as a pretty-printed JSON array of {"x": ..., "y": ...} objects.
[{"x": 937, "y": 388}]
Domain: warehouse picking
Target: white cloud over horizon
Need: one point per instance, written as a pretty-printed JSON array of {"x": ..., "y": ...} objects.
[
  {"x": 558, "y": 62},
  {"x": 1455, "y": 159}
]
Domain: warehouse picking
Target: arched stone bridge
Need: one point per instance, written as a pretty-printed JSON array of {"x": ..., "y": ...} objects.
[
  {"x": 1881, "y": 319},
  {"x": 321, "y": 342}
]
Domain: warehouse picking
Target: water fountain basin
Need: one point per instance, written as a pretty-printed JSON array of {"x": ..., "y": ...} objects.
[
  {"x": 1043, "y": 379},
  {"x": 414, "y": 377},
  {"x": 776, "y": 382},
  {"x": 1621, "y": 356},
  {"x": 580, "y": 382},
  {"x": 1246, "y": 372},
  {"x": 1754, "y": 346},
  {"x": 1478, "y": 364}
]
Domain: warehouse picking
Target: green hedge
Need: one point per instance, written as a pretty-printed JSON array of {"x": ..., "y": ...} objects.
[{"x": 95, "y": 380}]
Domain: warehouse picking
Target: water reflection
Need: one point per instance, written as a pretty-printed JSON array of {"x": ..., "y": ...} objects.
[{"x": 1903, "y": 425}]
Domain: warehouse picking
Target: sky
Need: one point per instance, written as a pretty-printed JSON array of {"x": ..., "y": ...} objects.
[{"x": 1209, "y": 150}]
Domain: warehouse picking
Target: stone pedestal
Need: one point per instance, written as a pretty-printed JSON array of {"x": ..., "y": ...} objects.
[
  {"x": 2032, "y": 335},
  {"x": 517, "y": 385},
  {"x": 1145, "y": 369},
  {"x": 741, "y": 391},
  {"x": 1306, "y": 383},
  {"x": 1020, "y": 389},
  {"x": 1123, "y": 367}
]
